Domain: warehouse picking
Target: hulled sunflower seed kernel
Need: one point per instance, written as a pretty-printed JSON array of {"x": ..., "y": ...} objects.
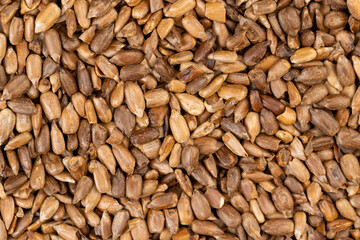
[{"x": 179, "y": 120}]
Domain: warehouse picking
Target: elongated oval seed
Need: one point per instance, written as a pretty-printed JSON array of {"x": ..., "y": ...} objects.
[
  {"x": 101, "y": 176},
  {"x": 324, "y": 121},
  {"x": 34, "y": 68},
  {"x": 18, "y": 141},
  {"x": 51, "y": 105},
  {"x": 134, "y": 98},
  {"x": 69, "y": 120},
  {"x": 252, "y": 124},
  {"x": 179, "y": 8},
  {"x": 250, "y": 225},
  {"x": 47, "y": 17},
  {"x": 179, "y": 127},
  {"x": 278, "y": 226},
  {"x": 3, "y": 45},
  {"x": 16, "y": 87},
  {"x": 7, "y": 124},
  {"x": 345, "y": 71},
  {"x": 233, "y": 144},
  {"x": 191, "y": 104},
  {"x": 66, "y": 231},
  {"x": 7, "y": 209},
  {"x": 303, "y": 55},
  {"x": 48, "y": 208},
  {"x": 124, "y": 158},
  {"x": 200, "y": 206}
]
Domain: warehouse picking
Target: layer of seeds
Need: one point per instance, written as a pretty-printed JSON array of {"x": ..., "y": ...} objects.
[{"x": 179, "y": 119}]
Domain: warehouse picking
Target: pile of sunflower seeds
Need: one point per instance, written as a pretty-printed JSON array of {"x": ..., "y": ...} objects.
[{"x": 179, "y": 119}]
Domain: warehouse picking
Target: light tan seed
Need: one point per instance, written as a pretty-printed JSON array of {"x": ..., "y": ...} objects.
[
  {"x": 7, "y": 209},
  {"x": 192, "y": 26},
  {"x": 3, "y": 45},
  {"x": 101, "y": 176},
  {"x": 345, "y": 209},
  {"x": 69, "y": 120},
  {"x": 215, "y": 11},
  {"x": 179, "y": 127},
  {"x": 303, "y": 55},
  {"x": 134, "y": 98},
  {"x": 191, "y": 104},
  {"x": 164, "y": 27},
  {"x": 236, "y": 91},
  {"x": 48, "y": 208},
  {"x": 67, "y": 231},
  {"x": 34, "y": 68},
  {"x": 7, "y": 124},
  {"x": 16, "y": 31},
  {"x": 234, "y": 144},
  {"x": 288, "y": 117},
  {"x": 47, "y": 17},
  {"x": 124, "y": 158},
  {"x": 18, "y": 141},
  {"x": 179, "y": 8}
]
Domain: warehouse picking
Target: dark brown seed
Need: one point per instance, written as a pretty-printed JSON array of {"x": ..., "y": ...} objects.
[
  {"x": 324, "y": 121},
  {"x": 189, "y": 74},
  {"x": 102, "y": 39},
  {"x": 272, "y": 104},
  {"x": 16, "y": 87},
  {"x": 22, "y": 105},
  {"x": 236, "y": 128},
  {"x": 144, "y": 135},
  {"x": 133, "y": 72},
  {"x": 68, "y": 81},
  {"x": 124, "y": 120},
  {"x": 163, "y": 201},
  {"x": 334, "y": 174},
  {"x": 127, "y": 57},
  {"x": 83, "y": 78},
  {"x": 254, "y": 54},
  {"x": 226, "y": 158},
  {"x": 119, "y": 223},
  {"x": 190, "y": 158},
  {"x": 22, "y": 224},
  {"x": 229, "y": 215},
  {"x": 289, "y": 20},
  {"x": 312, "y": 75},
  {"x": 197, "y": 83},
  {"x": 83, "y": 187}
]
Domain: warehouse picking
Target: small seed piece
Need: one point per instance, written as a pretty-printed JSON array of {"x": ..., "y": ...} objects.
[{"x": 215, "y": 11}]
